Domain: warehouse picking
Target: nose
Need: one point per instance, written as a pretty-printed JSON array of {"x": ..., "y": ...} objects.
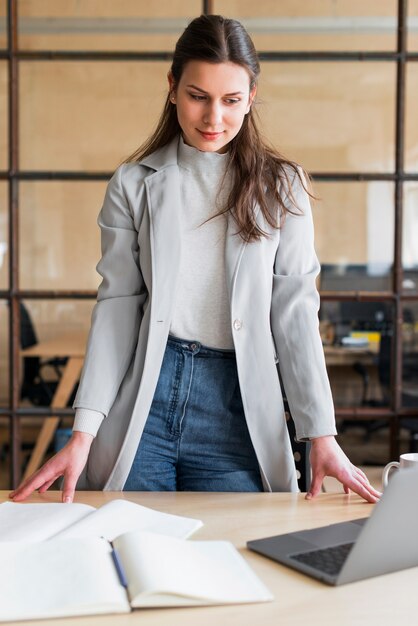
[{"x": 213, "y": 114}]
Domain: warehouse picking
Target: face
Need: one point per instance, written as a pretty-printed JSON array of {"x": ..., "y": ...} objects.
[{"x": 212, "y": 100}]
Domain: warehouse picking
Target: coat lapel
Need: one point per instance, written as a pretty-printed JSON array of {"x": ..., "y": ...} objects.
[
  {"x": 164, "y": 205},
  {"x": 163, "y": 195},
  {"x": 234, "y": 249}
]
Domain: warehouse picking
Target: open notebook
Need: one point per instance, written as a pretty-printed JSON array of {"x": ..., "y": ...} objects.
[
  {"x": 88, "y": 576},
  {"x": 36, "y": 522}
]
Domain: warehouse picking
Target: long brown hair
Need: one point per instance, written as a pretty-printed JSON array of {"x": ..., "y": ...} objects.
[{"x": 261, "y": 175}]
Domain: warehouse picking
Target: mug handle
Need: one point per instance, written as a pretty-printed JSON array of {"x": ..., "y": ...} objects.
[{"x": 386, "y": 471}]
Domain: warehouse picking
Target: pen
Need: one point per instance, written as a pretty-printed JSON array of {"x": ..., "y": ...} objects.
[{"x": 119, "y": 568}]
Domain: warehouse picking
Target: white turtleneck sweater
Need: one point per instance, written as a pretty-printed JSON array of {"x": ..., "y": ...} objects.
[{"x": 201, "y": 310}]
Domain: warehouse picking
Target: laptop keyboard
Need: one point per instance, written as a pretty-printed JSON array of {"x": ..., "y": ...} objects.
[{"x": 328, "y": 560}]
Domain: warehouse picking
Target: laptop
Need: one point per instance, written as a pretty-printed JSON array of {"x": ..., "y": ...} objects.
[{"x": 387, "y": 541}]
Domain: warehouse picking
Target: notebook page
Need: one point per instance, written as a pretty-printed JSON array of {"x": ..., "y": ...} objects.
[
  {"x": 35, "y": 522},
  {"x": 59, "y": 578},
  {"x": 165, "y": 571},
  {"x": 120, "y": 516}
]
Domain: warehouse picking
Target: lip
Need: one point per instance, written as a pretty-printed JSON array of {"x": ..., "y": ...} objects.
[{"x": 210, "y": 136}]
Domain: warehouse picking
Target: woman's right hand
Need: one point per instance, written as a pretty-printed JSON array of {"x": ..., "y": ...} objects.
[{"x": 68, "y": 462}]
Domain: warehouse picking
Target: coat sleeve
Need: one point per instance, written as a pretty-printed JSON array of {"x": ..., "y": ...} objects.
[
  {"x": 117, "y": 314},
  {"x": 295, "y": 324}
]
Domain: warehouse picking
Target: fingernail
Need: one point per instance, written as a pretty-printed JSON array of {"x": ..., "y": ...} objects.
[
  {"x": 309, "y": 496},
  {"x": 67, "y": 500}
]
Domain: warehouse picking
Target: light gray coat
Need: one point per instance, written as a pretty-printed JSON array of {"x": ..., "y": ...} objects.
[{"x": 273, "y": 302}]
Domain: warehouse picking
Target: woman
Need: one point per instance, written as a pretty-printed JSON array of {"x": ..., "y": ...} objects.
[{"x": 208, "y": 273}]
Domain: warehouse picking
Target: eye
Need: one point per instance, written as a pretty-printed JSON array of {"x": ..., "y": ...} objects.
[
  {"x": 197, "y": 97},
  {"x": 232, "y": 100}
]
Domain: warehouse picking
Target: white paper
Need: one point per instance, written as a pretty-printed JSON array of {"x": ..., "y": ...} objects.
[
  {"x": 36, "y": 522},
  {"x": 120, "y": 516},
  {"x": 59, "y": 578},
  {"x": 172, "y": 572},
  {"x": 20, "y": 521}
]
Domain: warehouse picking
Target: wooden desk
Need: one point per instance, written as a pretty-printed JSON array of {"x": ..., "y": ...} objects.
[
  {"x": 342, "y": 355},
  {"x": 72, "y": 346},
  {"x": 298, "y": 600}
]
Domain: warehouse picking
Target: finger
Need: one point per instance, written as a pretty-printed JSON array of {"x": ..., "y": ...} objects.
[
  {"x": 21, "y": 486},
  {"x": 316, "y": 485},
  {"x": 70, "y": 481},
  {"x": 46, "y": 485},
  {"x": 357, "y": 487},
  {"x": 355, "y": 479},
  {"x": 41, "y": 471},
  {"x": 360, "y": 472},
  {"x": 23, "y": 490},
  {"x": 365, "y": 482},
  {"x": 372, "y": 490},
  {"x": 33, "y": 483}
]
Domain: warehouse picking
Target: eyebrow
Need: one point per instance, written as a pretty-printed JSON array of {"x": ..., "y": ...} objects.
[{"x": 235, "y": 93}]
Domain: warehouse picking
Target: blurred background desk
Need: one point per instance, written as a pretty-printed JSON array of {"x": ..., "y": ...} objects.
[
  {"x": 298, "y": 599},
  {"x": 72, "y": 346},
  {"x": 342, "y": 355}
]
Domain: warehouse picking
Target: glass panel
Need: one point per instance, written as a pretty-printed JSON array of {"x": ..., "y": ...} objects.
[
  {"x": 319, "y": 25},
  {"x": 4, "y": 142},
  {"x": 72, "y": 117},
  {"x": 410, "y": 238},
  {"x": 4, "y": 353},
  {"x": 98, "y": 25},
  {"x": 331, "y": 116},
  {"x": 411, "y": 126},
  {"x": 354, "y": 235},
  {"x": 413, "y": 25},
  {"x": 410, "y": 359},
  {"x": 59, "y": 236},
  {"x": 4, "y": 236},
  {"x": 328, "y": 116},
  {"x": 357, "y": 338},
  {"x": 53, "y": 332},
  {"x": 3, "y": 24}
]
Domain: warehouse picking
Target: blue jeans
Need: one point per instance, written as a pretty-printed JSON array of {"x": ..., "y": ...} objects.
[{"x": 196, "y": 436}]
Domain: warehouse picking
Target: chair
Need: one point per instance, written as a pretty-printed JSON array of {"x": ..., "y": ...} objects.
[
  {"x": 410, "y": 375},
  {"x": 35, "y": 386},
  {"x": 368, "y": 316}
]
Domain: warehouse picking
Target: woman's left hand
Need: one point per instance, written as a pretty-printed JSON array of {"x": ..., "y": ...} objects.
[{"x": 327, "y": 459}]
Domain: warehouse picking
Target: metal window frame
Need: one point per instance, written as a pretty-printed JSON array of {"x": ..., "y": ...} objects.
[{"x": 14, "y": 175}]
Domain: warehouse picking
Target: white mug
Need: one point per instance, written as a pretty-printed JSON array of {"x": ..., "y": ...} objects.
[{"x": 405, "y": 460}]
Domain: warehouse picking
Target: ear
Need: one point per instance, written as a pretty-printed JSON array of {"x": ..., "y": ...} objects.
[
  {"x": 171, "y": 83},
  {"x": 251, "y": 98}
]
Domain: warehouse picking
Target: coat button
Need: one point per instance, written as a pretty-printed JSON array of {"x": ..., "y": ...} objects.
[{"x": 237, "y": 324}]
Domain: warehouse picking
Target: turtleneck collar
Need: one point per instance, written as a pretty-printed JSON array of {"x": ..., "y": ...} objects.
[{"x": 198, "y": 161}]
